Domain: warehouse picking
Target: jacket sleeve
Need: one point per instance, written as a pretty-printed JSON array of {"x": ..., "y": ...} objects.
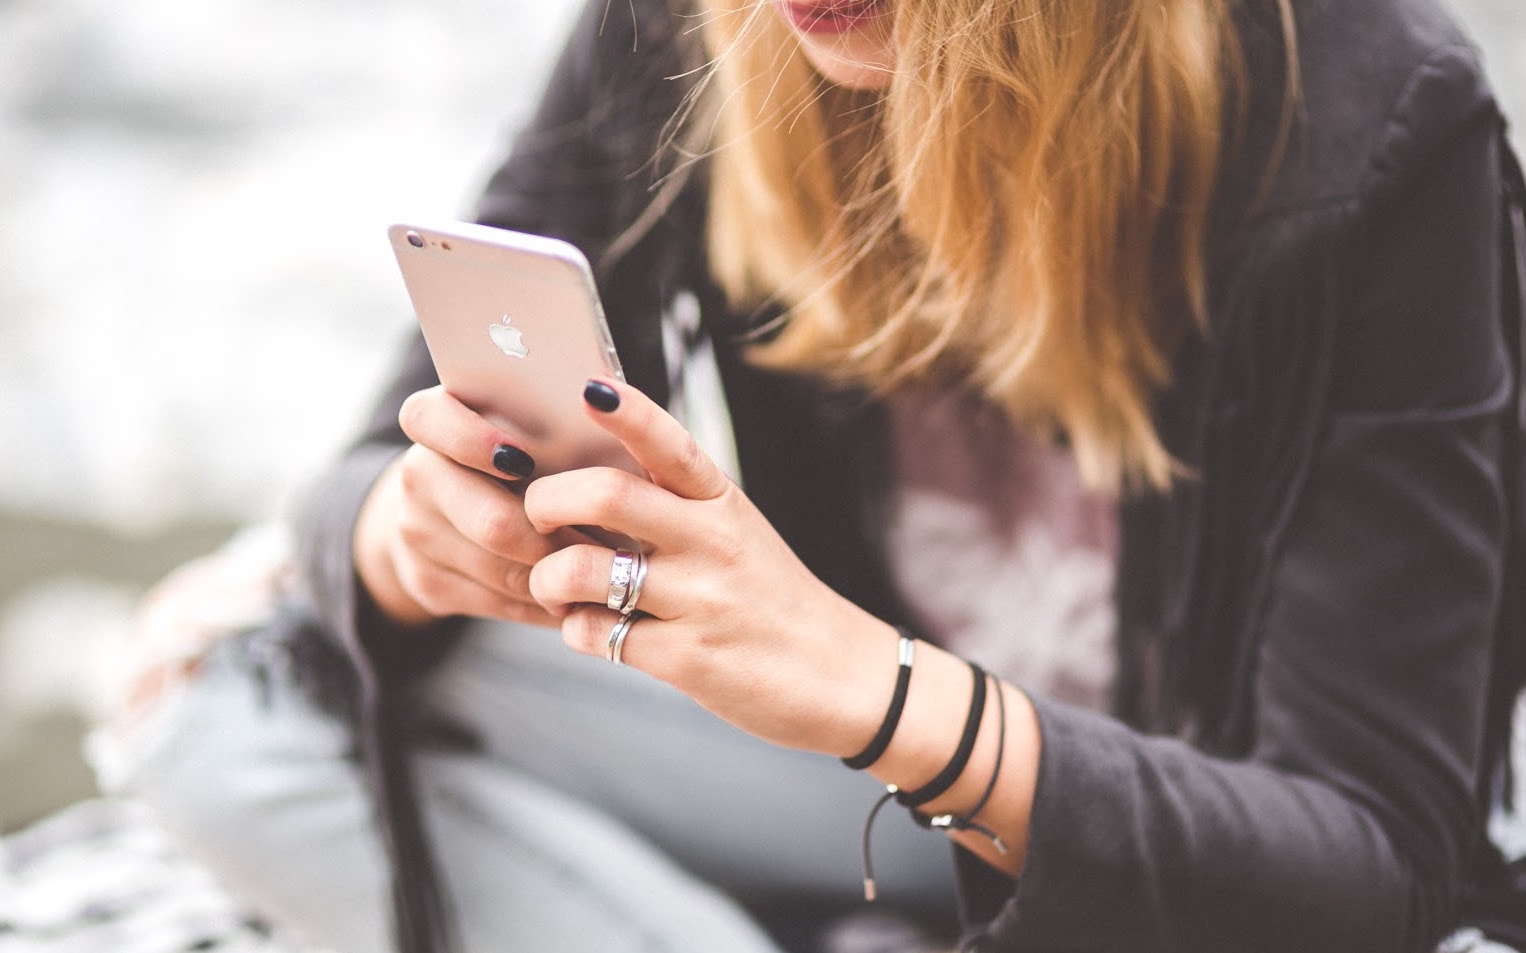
[
  {"x": 1345, "y": 822},
  {"x": 555, "y": 181}
]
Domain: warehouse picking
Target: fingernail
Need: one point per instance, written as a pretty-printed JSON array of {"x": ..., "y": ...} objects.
[
  {"x": 513, "y": 461},
  {"x": 601, "y": 396}
]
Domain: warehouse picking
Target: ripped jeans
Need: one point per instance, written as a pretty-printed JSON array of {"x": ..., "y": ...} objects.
[{"x": 603, "y": 812}]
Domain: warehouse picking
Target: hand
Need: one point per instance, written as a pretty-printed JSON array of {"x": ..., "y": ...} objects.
[
  {"x": 732, "y": 618},
  {"x": 737, "y": 622},
  {"x": 439, "y": 534}
]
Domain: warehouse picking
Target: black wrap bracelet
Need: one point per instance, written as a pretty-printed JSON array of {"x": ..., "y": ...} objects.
[
  {"x": 966, "y": 821},
  {"x": 942, "y": 782},
  {"x": 881, "y": 740},
  {"x": 945, "y": 779}
]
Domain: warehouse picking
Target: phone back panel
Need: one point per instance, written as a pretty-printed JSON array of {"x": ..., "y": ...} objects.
[{"x": 515, "y": 329}]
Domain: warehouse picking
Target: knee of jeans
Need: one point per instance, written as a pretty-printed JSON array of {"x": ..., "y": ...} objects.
[
  {"x": 235, "y": 750},
  {"x": 193, "y": 610},
  {"x": 254, "y": 782},
  {"x": 158, "y": 690}
]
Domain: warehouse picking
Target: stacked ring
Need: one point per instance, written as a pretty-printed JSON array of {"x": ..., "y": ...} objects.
[
  {"x": 638, "y": 579},
  {"x": 620, "y": 573},
  {"x": 627, "y": 574},
  {"x": 617, "y": 637}
]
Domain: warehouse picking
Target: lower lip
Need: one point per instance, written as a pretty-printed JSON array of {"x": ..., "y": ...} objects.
[{"x": 831, "y": 17}]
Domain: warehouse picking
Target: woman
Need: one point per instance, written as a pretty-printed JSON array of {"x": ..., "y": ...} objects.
[{"x": 1148, "y": 355}]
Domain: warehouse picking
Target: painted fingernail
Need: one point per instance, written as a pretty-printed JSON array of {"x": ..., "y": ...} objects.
[
  {"x": 513, "y": 461},
  {"x": 601, "y": 396}
]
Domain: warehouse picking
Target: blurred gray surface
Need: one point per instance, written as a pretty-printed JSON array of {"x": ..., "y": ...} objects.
[{"x": 196, "y": 299}]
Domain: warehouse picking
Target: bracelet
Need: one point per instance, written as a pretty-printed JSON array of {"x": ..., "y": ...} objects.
[
  {"x": 966, "y": 822},
  {"x": 881, "y": 739},
  {"x": 937, "y": 785},
  {"x": 945, "y": 779}
]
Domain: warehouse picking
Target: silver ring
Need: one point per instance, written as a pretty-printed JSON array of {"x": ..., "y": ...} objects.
[
  {"x": 638, "y": 579},
  {"x": 620, "y": 579},
  {"x": 617, "y": 637}
]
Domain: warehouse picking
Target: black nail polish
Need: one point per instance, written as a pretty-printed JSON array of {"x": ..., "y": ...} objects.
[
  {"x": 513, "y": 461},
  {"x": 601, "y": 396}
]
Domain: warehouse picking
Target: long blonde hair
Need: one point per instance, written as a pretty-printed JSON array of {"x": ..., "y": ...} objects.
[{"x": 1022, "y": 210}]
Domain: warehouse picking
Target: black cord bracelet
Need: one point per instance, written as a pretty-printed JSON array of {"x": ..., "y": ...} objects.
[
  {"x": 881, "y": 739},
  {"x": 966, "y": 821},
  {"x": 937, "y": 785},
  {"x": 945, "y": 779}
]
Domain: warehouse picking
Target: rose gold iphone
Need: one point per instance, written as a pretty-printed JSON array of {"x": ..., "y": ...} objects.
[{"x": 515, "y": 329}]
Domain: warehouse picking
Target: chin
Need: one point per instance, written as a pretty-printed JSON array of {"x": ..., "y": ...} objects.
[
  {"x": 856, "y": 75},
  {"x": 853, "y": 72}
]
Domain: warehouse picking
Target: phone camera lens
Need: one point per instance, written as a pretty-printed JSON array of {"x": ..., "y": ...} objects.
[{"x": 416, "y": 240}]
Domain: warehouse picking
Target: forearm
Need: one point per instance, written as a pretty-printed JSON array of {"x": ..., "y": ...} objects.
[
  {"x": 1145, "y": 843},
  {"x": 1188, "y": 851}
]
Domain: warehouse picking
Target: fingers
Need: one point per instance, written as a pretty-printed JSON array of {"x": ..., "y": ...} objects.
[
  {"x": 465, "y": 546},
  {"x": 659, "y": 443},
  {"x": 652, "y": 510},
  {"x": 442, "y": 591},
  {"x": 619, "y": 502},
  {"x": 476, "y": 508},
  {"x": 435, "y": 419},
  {"x": 580, "y": 576},
  {"x": 432, "y": 538},
  {"x": 588, "y": 630},
  {"x": 461, "y": 543}
]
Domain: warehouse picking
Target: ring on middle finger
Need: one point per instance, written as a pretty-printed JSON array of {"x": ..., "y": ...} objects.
[
  {"x": 620, "y": 572},
  {"x": 638, "y": 579}
]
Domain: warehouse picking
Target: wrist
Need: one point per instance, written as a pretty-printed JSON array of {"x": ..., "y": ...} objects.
[
  {"x": 1003, "y": 771},
  {"x": 931, "y": 724},
  {"x": 906, "y": 648},
  {"x": 860, "y": 682}
]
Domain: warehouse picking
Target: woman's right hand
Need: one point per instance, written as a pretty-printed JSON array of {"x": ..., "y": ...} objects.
[{"x": 440, "y": 534}]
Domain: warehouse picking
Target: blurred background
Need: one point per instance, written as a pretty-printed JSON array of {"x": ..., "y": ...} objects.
[
  {"x": 196, "y": 296},
  {"x": 197, "y": 299}
]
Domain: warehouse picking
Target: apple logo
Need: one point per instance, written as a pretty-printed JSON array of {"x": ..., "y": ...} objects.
[{"x": 507, "y": 338}]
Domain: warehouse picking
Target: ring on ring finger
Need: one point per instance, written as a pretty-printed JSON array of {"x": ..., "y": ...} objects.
[{"x": 617, "y": 636}]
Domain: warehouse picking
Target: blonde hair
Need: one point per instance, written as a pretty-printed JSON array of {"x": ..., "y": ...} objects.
[{"x": 1022, "y": 210}]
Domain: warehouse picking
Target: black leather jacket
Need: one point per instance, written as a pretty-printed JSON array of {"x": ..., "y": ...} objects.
[{"x": 1307, "y": 623}]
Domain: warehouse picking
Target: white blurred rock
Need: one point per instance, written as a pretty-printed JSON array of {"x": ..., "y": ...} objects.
[{"x": 55, "y": 647}]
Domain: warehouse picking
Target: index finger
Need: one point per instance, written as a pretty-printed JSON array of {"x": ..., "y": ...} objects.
[
  {"x": 667, "y": 451},
  {"x": 435, "y": 419}
]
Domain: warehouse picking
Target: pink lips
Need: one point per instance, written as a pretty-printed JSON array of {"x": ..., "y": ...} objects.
[{"x": 835, "y": 16}]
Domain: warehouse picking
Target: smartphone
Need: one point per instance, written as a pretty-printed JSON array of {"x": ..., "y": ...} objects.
[{"x": 515, "y": 329}]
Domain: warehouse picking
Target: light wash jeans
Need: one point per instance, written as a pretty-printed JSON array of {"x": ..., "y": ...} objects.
[{"x": 605, "y": 812}]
